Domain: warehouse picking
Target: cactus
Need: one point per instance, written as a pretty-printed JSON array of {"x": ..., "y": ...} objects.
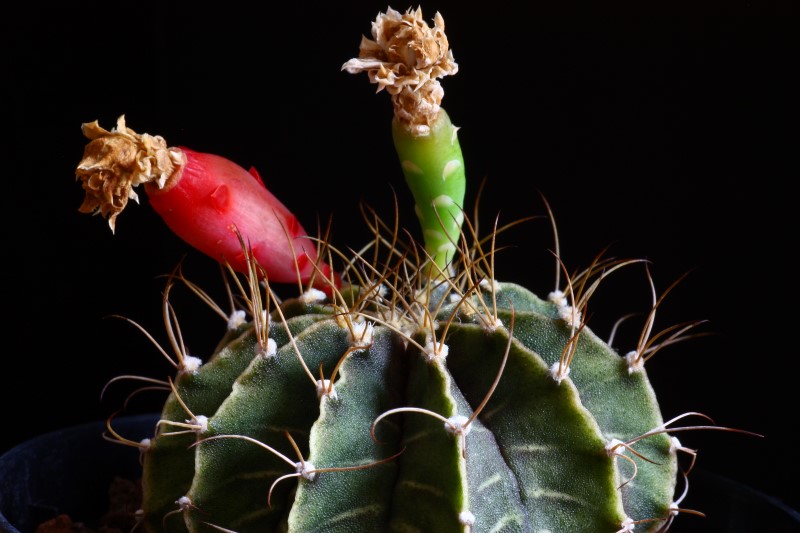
[{"x": 409, "y": 392}]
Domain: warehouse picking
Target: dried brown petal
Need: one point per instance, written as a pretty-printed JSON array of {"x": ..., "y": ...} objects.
[
  {"x": 116, "y": 161},
  {"x": 407, "y": 57}
]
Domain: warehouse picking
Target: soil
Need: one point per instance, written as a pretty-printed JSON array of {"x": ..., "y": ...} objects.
[{"x": 124, "y": 499}]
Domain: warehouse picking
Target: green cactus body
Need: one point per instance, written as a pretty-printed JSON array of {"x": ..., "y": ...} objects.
[{"x": 534, "y": 459}]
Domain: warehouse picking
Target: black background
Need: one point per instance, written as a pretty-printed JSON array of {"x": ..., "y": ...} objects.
[{"x": 670, "y": 138}]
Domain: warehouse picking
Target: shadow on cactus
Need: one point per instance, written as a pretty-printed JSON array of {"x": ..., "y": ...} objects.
[{"x": 405, "y": 390}]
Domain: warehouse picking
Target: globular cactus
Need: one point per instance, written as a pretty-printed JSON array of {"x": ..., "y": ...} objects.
[{"x": 410, "y": 392}]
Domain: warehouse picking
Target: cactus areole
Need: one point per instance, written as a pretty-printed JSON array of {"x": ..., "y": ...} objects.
[{"x": 415, "y": 392}]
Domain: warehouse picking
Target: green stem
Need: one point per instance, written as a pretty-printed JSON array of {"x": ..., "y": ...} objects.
[{"x": 434, "y": 170}]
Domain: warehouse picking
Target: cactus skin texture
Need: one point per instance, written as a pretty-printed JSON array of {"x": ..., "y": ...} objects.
[
  {"x": 535, "y": 458},
  {"x": 420, "y": 394}
]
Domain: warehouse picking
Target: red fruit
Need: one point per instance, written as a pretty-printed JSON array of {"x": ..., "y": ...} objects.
[
  {"x": 204, "y": 198},
  {"x": 214, "y": 197}
]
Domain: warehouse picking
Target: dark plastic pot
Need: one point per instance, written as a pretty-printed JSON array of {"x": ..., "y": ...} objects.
[
  {"x": 70, "y": 471},
  {"x": 67, "y": 471}
]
